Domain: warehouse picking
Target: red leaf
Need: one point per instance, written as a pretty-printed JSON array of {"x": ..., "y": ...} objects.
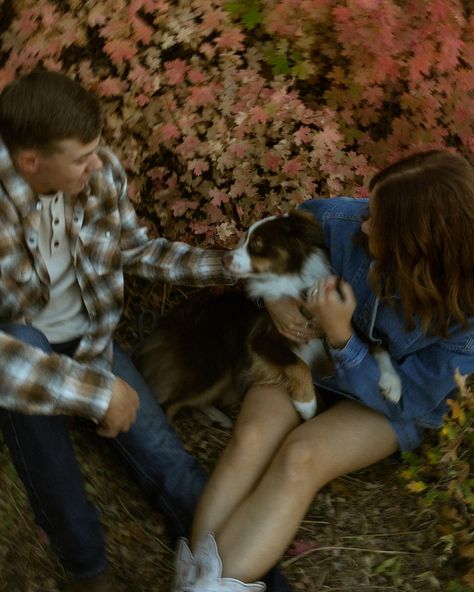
[
  {"x": 272, "y": 161},
  {"x": 198, "y": 166},
  {"x": 231, "y": 39},
  {"x": 175, "y": 71},
  {"x": 180, "y": 206},
  {"x": 258, "y": 115},
  {"x": 292, "y": 167},
  {"x": 301, "y": 547},
  {"x": 120, "y": 50},
  {"x": 218, "y": 197},
  {"x": 110, "y": 87},
  {"x": 201, "y": 95},
  {"x": 169, "y": 131}
]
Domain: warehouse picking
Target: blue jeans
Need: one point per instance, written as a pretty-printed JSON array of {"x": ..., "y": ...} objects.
[{"x": 44, "y": 458}]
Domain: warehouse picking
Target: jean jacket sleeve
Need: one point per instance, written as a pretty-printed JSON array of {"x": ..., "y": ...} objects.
[{"x": 427, "y": 378}]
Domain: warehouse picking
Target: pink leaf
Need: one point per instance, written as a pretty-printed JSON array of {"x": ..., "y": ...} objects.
[
  {"x": 181, "y": 206},
  {"x": 198, "y": 166},
  {"x": 169, "y": 131},
  {"x": 300, "y": 547},
  {"x": 303, "y": 135},
  {"x": 196, "y": 76},
  {"x": 272, "y": 161},
  {"x": 141, "y": 31},
  {"x": 110, "y": 87},
  {"x": 218, "y": 197},
  {"x": 201, "y": 95},
  {"x": 292, "y": 167},
  {"x": 120, "y": 50},
  {"x": 258, "y": 115},
  {"x": 175, "y": 71},
  {"x": 231, "y": 39}
]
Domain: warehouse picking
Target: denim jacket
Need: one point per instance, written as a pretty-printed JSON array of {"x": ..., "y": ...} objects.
[{"x": 425, "y": 364}]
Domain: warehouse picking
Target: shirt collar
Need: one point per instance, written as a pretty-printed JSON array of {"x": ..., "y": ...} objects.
[{"x": 17, "y": 188}]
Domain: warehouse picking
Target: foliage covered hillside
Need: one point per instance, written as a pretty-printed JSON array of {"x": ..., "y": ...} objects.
[{"x": 223, "y": 111}]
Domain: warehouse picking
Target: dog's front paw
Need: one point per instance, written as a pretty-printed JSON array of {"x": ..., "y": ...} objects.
[
  {"x": 390, "y": 386},
  {"x": 306, "y": 410}
]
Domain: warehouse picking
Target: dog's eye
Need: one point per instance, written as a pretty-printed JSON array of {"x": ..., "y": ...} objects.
[{"x": 256, "y": 244}]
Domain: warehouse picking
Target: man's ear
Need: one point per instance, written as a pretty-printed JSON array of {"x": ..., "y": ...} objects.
[{"x": 27, "y": 161}]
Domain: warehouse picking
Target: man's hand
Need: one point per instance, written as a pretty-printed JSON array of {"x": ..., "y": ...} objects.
[{"x": 122, "y": 410}]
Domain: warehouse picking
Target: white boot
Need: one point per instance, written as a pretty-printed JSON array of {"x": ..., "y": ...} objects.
[
  {"x": 186, "y": 568},
  {"x": 209, "y": 571}
]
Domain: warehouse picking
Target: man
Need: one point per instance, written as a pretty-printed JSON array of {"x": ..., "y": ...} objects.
[{"x": 67, "y": 234}]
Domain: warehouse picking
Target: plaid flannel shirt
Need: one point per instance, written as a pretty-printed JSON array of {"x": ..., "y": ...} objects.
[{"x": 106, "y": 240}]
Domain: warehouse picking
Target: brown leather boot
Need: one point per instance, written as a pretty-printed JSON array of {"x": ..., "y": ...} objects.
[{"x": 105, "y": 582}]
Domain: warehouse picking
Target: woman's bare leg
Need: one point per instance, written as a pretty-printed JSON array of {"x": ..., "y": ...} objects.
[
  {"x": 266, "y": 418},
  {"x": 345, "y": 438}
]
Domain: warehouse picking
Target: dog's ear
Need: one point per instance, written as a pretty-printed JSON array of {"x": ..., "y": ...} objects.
[{"x": 307, "y": 228}]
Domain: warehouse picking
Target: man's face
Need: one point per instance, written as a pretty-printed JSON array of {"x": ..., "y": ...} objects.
[{"x": 68, "y": 169}]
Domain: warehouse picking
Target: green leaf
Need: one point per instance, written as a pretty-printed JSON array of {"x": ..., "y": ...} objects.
[
  {"x": 252, "y": 18},
  {"x": 235, "y": 7},
  {"x": 390, "y": 566},
  {"x": 456, "y": 586}
]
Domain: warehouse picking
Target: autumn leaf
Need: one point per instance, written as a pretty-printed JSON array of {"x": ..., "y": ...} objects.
[
  {"x": 218, "y": 197},
  {"x": 110, "y": 86},
  {"x": 168, "y": 131},
  {"x": 231, "y": 39},
  {"x": 272, "y": 161},
  {"x": 301, "y": 547},
  {"x": 142, "y": 33},
  {"x": 201, "y": 95},
  {"x": 181, "y": 206},
  {"x": 416, "y": 486},
  {"x": 292, "y": 167},
  {"x": 198, "y": 166},
  {"x": 120, "y": 50},
  {"x": 175, "y": 71}
]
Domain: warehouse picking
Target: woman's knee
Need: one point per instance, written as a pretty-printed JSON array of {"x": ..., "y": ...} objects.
[
  {"x": 246, "y": 440},
  {"x": 302, "y": 464},
  {"x": 27, "y": 334}
]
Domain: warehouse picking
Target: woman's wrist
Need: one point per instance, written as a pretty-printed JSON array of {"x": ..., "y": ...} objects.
[{"x": 338, "y": 341}]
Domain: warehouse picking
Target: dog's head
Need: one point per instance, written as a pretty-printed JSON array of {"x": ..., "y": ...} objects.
[{"x": 277, "y": 245}]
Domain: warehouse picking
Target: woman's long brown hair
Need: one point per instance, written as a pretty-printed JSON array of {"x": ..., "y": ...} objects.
[{"x": 422, "y": 238}]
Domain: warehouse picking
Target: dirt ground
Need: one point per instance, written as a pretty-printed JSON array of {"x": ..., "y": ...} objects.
[{"x": 363, "y": 532}]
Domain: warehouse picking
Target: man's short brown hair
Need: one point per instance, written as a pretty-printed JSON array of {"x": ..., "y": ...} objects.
[{"x": 43, "y": 108}]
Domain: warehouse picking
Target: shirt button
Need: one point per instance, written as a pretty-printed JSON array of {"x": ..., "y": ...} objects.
[
  {"x": 107, "y": 233},
  {"x": 39, "y": 206}
]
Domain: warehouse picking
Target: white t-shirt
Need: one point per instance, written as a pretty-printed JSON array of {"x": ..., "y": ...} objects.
[{"x": 64, "y": 317}]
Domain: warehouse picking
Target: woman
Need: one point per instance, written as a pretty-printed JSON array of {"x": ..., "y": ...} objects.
[{"x": 408, "y": 285}]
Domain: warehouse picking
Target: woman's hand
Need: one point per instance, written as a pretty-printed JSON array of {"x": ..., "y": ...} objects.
[
  {"x": 289, "y": 321},
  {"x": 333, "y": 303}
]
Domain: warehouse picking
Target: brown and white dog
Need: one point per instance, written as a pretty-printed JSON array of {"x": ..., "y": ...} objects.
[{"x": 214, "y": 346}]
